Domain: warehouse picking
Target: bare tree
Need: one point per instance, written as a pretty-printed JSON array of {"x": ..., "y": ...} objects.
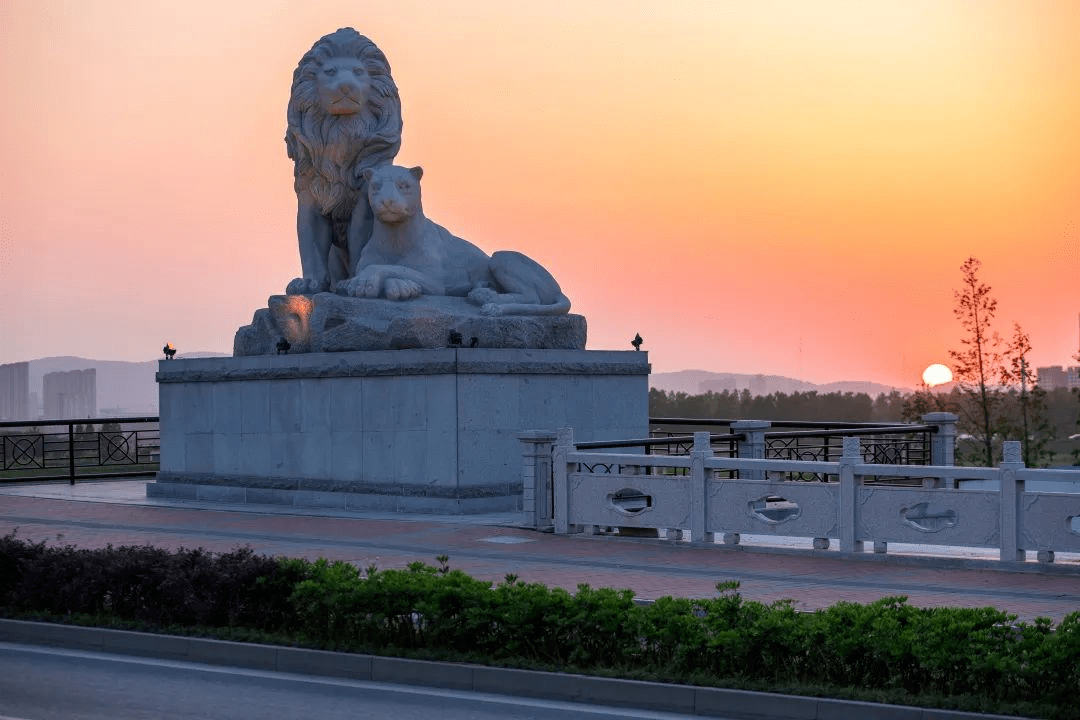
[{"x": 978, "y": 364}]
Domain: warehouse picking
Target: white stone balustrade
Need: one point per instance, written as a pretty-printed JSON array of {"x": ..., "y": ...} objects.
[{"x": 593, "y": 490}]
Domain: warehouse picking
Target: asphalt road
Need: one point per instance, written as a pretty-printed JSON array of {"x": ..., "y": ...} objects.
[{"x": 40, "y": 683}]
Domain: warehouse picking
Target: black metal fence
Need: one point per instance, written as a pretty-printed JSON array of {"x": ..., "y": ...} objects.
[
  {"x": 881, "y": 443},
  {"x": 80, "y": 449}
]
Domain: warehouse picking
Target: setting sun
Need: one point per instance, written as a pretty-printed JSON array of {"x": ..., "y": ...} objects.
[{"x": 937, "y": 374}]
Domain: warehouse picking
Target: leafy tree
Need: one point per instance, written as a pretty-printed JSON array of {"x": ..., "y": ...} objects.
[
  {"x": 889, "y": 407},
  {"x": 924, "y": 400},
  {"x": 1076, "y": 392},
  {"x": 1026, "y": 416},
  {"x": 979, "y": 363}
]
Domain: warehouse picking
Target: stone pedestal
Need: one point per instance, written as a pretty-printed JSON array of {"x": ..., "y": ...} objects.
[
  {"x": 326, "y": 322},
  {"x": 405, "y": 430}
]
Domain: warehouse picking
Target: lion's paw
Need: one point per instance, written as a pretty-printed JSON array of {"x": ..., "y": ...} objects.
[
  {"x": 305, "y": 286},
  {"x": 400, "y": 289},
  {"x": 482, "y": 296},
  {"x": 491, "y": 309}
]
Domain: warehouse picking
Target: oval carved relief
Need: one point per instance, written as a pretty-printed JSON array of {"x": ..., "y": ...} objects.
[
  {"x": 630, "y": 501},
  {"x": 774, "y": 509},
  {"x": 928, "y": 518}
]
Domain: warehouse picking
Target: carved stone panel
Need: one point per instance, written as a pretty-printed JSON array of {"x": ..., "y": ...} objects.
[
  {"x": 756, "y": 507},
  {"x": 966, "y": 518}
]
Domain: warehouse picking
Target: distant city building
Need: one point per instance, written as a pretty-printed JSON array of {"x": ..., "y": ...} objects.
[
  {"x": 70, "y": 395},
  {"x": 37, "y": 410},
  {"x": 15, "y": 391},
  {"x": 1056, "y": 376},
  {"x": 759, "y": 385}
]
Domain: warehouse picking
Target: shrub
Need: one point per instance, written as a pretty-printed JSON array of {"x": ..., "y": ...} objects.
[
  {"x": 975, "y": 658},
  {"x": 147, "y": 584}
]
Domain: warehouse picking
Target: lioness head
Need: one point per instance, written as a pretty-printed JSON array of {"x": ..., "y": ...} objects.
[{"x": 394, "y": 192}]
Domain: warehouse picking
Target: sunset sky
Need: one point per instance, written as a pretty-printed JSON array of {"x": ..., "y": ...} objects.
[{"x": 781, "y": 187}]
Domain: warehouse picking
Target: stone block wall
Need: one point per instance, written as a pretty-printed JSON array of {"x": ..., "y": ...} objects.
[{"x": 421, "y": 430}]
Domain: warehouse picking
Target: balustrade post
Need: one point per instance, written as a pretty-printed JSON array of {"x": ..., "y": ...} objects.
[
  {"x": 1009, "y": 496},
  {"x": 943, "y": 442},
  {"x": 849, "y": 495},
  {"x": 699, "y": 489},
  {"x": 536, "y": 486},
  {"x": 753, "y": 446},
  {"x": 564, "y": 445}
]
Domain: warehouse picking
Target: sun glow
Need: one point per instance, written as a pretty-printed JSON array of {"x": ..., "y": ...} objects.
[{"x": 937, "y": 374}]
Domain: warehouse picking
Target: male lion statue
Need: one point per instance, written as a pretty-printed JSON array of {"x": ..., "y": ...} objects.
[
  {"x": 344, "y": 117},
  {"x": 408, "y": 255}
]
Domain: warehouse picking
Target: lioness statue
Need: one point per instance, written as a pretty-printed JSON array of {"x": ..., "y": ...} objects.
[
  {"x": 409, "y": 255},
  {"x": 344, "y": 116}
]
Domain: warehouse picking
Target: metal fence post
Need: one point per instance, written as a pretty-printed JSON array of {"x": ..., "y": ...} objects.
[
  {"x": 698, "y": 488},
  {"x": 753, "y": 447},
  {"x": 564, "y": 445},
  {"x": 71, "y": 453},
  {"x": 849, "y": 489},
  {"x": 536, "y": 478},
  {"x": 1009, "y": 495}
]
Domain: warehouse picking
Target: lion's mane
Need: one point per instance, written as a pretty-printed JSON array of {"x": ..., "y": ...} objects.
[{"x": 329, "y": 151}]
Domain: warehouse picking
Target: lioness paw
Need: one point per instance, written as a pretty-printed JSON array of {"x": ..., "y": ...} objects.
[
  {"x": 482, "y": 296},
  {"x": 370, "y": 288},
  {"x": 399, "y": 289},
  {"x": 353, "y": 287},
  {"x": 491, "y": 309}
]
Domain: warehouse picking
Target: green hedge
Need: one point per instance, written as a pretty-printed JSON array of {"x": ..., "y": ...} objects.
[{"x": 955, "y": 657}]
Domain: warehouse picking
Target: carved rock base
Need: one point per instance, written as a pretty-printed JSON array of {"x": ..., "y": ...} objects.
[{"x": 326, "y": 322}]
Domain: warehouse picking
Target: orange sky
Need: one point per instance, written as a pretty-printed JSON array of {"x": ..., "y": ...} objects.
[{"x": 776, "y": 187}]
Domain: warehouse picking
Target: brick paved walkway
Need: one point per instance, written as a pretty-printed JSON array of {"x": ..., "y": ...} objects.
[{"x": 490, "y": 546}]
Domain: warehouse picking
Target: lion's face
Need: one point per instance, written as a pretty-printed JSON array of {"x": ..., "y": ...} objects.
[
  {"x": 394, "y": 192},
  {"x": 343, "y": 86},
  {"x": 344, "y": 115}
]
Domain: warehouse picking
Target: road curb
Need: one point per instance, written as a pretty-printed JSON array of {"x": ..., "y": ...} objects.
[{"x": 735, "y": 704}]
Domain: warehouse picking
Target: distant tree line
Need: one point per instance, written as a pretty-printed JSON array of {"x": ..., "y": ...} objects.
[
  {"x": 1053, "y": 415},
  {"x": 741, "y": 405},
  {"x": 1043, "y": 420}
]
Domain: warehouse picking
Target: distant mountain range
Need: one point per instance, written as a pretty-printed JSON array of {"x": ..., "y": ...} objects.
[
  {"x": 128, "y": 388},
  {"x": 696, "y": 382}
]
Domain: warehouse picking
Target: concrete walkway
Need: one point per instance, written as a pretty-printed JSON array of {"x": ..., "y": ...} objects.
[{"x": 491, "y": 546}]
